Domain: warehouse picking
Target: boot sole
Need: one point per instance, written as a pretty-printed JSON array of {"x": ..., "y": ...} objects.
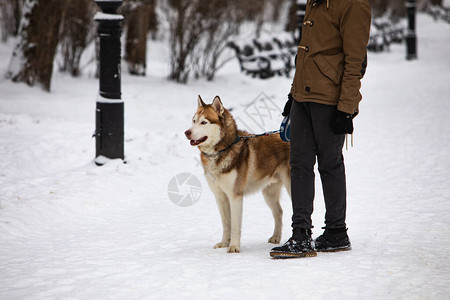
[
  {"x": 335, "y": 249},
  {"x": 284, "y": 255}
]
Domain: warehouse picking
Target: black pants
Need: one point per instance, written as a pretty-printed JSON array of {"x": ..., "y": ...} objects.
[{"x": 311, "y": 136}]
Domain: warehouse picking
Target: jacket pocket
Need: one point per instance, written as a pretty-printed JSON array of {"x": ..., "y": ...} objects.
[{"x": 326, "y": 69}]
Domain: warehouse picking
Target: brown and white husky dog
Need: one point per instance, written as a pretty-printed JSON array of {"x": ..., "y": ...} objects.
[{"x": 235, "y": 167}]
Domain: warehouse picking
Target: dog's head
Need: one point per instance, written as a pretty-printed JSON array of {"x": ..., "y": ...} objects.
[{"x": 206, "y": 129}]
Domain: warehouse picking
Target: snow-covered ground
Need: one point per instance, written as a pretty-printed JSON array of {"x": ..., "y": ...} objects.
[{"x": 72, "y": 230}]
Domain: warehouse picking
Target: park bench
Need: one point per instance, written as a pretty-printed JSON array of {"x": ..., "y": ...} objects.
[
  {"x": 383, "y": 32},
  {"x": 263, "y": 57}
]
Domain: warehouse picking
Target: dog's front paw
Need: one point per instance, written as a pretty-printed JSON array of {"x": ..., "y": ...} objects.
[
  {"x": 221, "y": 245},
  {"x": 234, "y": 249},
  {"x": 274, "y": 239}
]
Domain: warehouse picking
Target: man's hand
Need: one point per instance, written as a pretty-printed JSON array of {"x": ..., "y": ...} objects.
[
  {"x": 287, "y": 106},
  {"x": 342, "y": 123}
]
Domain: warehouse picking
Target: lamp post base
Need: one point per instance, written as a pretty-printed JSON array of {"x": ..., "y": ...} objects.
[{"x": 411, "y": 47}]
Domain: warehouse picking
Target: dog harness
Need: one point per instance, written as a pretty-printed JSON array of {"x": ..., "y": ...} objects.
[{"x": 284, "y": 131}]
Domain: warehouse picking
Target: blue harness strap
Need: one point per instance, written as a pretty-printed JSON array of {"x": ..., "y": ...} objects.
[{"x": 285, "y": 129}]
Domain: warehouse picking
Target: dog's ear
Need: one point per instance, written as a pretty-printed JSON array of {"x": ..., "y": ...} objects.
[
  {"x": 218, "y": 106},
  {"x": 200, "y": 102}
]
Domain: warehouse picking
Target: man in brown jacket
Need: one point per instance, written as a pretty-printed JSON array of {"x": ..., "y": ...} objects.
[{"x": 324, "y": 98}]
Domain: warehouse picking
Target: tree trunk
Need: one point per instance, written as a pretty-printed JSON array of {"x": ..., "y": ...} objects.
[
  {"x": 277, "y": 6},
  {"x": 10, "y": 12},
  {"x": 136, "y": 40},
  {"x": 153, "y": 20},
  {"x": 32, "y": 60},
  {"x": 292, "y": 22},
  {"x": 260, "y": 17}
]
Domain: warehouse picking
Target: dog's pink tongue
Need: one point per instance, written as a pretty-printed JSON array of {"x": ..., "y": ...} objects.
[{"x": 194, "y": 143}]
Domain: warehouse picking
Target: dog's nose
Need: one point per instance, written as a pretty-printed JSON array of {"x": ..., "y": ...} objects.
[{"x": 187, "y": 133}]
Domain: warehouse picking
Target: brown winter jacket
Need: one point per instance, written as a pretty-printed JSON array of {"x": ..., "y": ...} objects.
[{"x": 332, "y": 52}]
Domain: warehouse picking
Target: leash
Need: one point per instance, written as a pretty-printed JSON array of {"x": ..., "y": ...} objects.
[
  {"x": 261, "y": 134},
  {"x": 244, "y": 137}
]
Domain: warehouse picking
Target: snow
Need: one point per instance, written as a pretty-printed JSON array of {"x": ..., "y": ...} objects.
[
  {"x": 101, "y": 16},
  {"x": 101, "y": 99},
  {"x": 71, "y": 229}
]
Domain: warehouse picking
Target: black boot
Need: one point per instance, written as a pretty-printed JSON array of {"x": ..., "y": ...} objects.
[
  {"x": 333, "y": 240},
  {"x": 299, "y": 245}
]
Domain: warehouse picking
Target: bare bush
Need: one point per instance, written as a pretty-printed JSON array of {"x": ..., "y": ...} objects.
[
  {"x": 223, "y": 21},
  {"x": 78, "y": 31},
  {"x": 199, "y": 32},
  {"x": 185, "y": 28}
]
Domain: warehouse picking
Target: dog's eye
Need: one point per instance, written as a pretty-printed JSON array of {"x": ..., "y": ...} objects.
[
  {"x": 193, "y": 121},
  {"x": 203, "y": 123}
]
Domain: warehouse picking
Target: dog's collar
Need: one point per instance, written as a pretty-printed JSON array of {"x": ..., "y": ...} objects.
[{"x": 225, "y": 149}]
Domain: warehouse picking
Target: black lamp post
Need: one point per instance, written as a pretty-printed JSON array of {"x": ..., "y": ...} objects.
[
  {"x": 109, "y": 132},
  {"x": 411, "y": 39},
  {"x": 301, "y": 8}
]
